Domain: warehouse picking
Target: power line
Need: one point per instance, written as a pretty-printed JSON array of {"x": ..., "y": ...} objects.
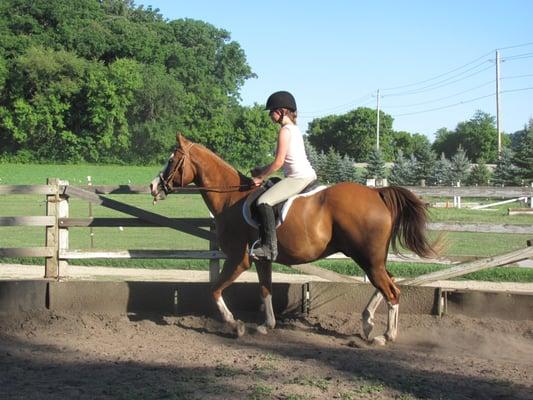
[
  {"x": 439, "y": 76},
  {"x": 462, "y": 102},
  {"x": 491, "y": 82},
  {"x": 516, "y": 76},
  {"x": 449, "y": 80},
  {"x": 518, "y": 57},
  {"x": 439, "y": 85},
  {"x": 516, "y": 45}
]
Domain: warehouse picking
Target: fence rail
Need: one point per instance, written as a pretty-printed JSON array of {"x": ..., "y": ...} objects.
[{"x": 57, "y": 222}]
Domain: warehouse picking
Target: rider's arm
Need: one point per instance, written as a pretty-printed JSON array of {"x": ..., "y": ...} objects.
[{"x": 281, "y": 152}]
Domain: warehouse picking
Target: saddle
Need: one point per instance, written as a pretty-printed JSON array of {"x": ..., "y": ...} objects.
[{"x": 249, "y": 208}]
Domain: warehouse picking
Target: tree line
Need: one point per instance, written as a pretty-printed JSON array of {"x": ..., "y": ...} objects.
[{"x": 106, "y": 81}]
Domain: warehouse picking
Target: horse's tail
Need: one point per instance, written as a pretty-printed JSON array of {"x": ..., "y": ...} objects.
[{"x": 409, "y": 216}]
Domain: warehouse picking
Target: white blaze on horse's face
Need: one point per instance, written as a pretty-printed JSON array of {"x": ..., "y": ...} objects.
[{"x": 156, "y": 186}]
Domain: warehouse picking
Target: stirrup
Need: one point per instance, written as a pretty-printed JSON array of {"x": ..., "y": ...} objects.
[{"x": 257, "y": 247}]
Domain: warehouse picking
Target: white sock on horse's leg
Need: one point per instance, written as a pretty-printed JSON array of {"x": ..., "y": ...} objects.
[
  {"x": 370, "y": 310},
  {"x": 238, "y": 326},
  {"x": 270, "y": 319},
  {"x": 392, "y": 322},
  {"x": 227, "y": 316}
]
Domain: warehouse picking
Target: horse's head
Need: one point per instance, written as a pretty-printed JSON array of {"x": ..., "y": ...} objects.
[{"x": 177, "y": 172}]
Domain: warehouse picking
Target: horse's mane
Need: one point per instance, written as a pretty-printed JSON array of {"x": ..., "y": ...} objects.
[{"x": 243, "y": 179}]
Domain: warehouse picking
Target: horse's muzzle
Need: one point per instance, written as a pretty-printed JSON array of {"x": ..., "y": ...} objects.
[{"x": 158, "y": 189}]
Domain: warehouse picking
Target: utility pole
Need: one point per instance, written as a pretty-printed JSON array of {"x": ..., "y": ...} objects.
[
  {"x": 377, "y": 123},
  {"x": 498, "y": 117}
]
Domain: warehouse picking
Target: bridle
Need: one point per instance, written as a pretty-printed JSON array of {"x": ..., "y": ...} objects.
[
  {"x": 167, "y": 183},
  {"x": 167, "y": 186}
]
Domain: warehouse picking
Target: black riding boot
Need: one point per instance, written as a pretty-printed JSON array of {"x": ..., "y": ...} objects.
[{"x": 267, "y": 232}]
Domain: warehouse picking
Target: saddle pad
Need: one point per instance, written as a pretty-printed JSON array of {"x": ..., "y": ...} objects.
[{"x": 247, "y": 212}]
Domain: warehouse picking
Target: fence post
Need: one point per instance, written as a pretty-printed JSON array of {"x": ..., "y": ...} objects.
[
  {"x": 52, "y": 232},
  {"x": 214, "y": 263},
  {"x": 56, "y": 237},
  {"x": 457, "y": 199},
  {"x": 91, "y": 233},
  {"x": 63, "y": 212}
]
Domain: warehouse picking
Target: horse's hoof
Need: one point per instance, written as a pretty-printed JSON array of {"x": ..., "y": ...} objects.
[
  {"x": 367, "y": 329},
  {"x": 240, "y": 329},
  {"x": 262, "y": 329},
  {"x": 379, "y": 341}
]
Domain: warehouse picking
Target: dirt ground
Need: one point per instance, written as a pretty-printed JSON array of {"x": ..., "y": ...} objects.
[{"x": 50, "y": 355}]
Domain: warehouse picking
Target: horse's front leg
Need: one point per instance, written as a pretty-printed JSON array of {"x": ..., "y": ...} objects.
[
  {"x": 231, "y": 270},
  {"x": 264, "y": 272}
]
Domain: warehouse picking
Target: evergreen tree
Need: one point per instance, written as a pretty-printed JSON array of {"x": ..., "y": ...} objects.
[
  {"x": 505, "y": 173},
  {"x": 523, "y": 153},
  {"x": 332, "y": 166},
  {"x": 426, "y": 163},
  {"x": 347, "y": 170},
  {"x": 479, "y": 174},
  {"x": 317, "y": 160},
  {"x": 441, "y": 174},
  {"x": 460, "y": 165},
  {"x": 376, "y": 165},
  {"x": 401, "y": 172}
]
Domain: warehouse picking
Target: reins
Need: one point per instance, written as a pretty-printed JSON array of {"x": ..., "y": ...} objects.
[{"x": 218, "y": 189}]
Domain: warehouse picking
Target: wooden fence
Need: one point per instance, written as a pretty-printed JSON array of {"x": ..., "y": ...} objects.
[{"x": 57, "y": 222}]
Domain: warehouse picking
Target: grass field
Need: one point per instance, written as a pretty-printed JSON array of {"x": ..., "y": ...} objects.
[{"x": 459, "y": 243}]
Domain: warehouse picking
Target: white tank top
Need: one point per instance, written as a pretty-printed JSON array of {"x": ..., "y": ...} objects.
[{"x": 296, "y": 164}]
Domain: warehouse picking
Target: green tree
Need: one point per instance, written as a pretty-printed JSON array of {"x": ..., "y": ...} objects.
[
  {"x": 426, "y": 162},
  {"x": 37, "y": 115},
  {"x": 446, "y": 142},
  {"x": 353, "y": 133},
  {"x": 111, "y": 91},
  {"x": 478, "y": 136},
  {"x": 460, "y": 166},
  {"x": 401, "y": 172},
  {"x": 479, "y": 174},
  {"x": 376, "y": 165},
  {"x": 112, "y": 81},
  {"x": 156, "y": 115},
  {"x": 347, "y": 171},
  {"x": 409, "y": 144},
  {"x": 505, "y": 173},
  {"x": 522, "y": 146},
  {"x": 442, "y": 172},
  {"x": 253, "y": 140}
]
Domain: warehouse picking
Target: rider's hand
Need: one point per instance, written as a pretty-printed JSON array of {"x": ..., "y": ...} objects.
[{"x": 257, "y": 180}]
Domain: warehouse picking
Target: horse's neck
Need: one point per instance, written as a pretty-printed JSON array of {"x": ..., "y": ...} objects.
[{"x": 213, "y": 172}]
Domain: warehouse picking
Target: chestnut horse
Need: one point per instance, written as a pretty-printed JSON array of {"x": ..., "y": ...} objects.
[{"x": 358, "y": 221}]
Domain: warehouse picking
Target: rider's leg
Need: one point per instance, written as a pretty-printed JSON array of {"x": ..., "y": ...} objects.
[
  {"x": 281, "y": 191},
  {"x": 267, "y": 232}
]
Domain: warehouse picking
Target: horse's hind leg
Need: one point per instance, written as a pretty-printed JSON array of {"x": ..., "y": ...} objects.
[
  {"x": 381, "y": 279},
  {"x": 264, "y": 272},
  {"x": 368, "y": 313}
]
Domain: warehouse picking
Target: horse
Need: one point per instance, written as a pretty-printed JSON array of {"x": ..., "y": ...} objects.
[{"x": 359, "y": 221}]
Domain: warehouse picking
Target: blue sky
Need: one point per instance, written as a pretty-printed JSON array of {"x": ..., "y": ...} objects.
[{"x": 433, "y": 61}]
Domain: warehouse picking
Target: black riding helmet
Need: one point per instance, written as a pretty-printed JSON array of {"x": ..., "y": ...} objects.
[{"x": 281, "y": 99}]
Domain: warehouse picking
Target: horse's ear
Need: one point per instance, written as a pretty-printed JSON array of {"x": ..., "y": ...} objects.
[{"x": 180, "y": 139}]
